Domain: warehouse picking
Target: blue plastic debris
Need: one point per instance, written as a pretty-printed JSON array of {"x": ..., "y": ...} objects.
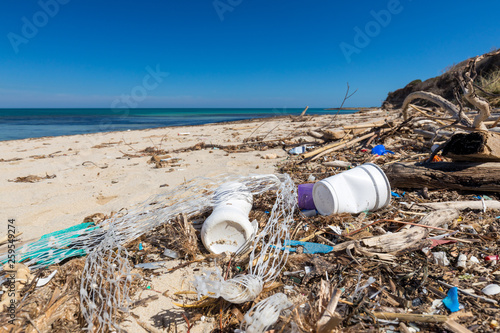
[
  {"x": 310, "y": 248},
  {"x": 140, "y": 247},
  {"x": 451, "y": 301},
  {"x": 309, "y": 212},
  {"x": 380, "y": 150},
  {"x": 394, "y": 194}
]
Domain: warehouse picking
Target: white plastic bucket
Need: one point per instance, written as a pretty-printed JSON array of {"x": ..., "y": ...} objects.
[
  {"x": 228, "y": 227},
  {"x": 362, "y": 188}
]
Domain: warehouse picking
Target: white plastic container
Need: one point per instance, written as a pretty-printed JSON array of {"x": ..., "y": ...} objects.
[
  {"x": 228, "y": 227},
  {"x": 362, "y": 188}
]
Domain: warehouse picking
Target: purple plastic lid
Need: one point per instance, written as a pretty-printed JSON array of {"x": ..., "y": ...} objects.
[{"x": 305, "y": 196}]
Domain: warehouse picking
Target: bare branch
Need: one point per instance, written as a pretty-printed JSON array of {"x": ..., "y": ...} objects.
[
  {"x": 346, "y": 97},
  {"x": 466, "y": 80},
  {"x": 440, "y": 101}
]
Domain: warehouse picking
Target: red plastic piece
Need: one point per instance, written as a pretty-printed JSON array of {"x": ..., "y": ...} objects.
[
  {"x": 436, "y": 242},
  {"x": 492, "y": 257}
]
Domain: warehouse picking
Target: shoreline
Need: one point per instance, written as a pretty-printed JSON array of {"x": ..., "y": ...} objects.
[
  {"x": 276, "y": 117},
  {"x": 158, "y": 128}
]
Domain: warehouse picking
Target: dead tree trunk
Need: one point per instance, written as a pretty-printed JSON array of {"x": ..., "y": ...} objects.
[{"x": 478, "y": 177}]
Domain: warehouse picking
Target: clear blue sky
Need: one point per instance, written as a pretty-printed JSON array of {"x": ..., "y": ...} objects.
[{"x": 231, "y": 53}]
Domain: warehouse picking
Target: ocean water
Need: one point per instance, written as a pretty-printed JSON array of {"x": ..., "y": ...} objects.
[{"x": 34, "y": 123}]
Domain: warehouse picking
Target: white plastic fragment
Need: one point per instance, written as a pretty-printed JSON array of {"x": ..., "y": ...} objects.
[
  {"x": 338, "y": 164},
  {"x": 336, "y": 229},
  {"x": 437, "y": 303},
  {"x": 151, "y": 265},
  {"x": 440, "y": 258},
  {"x": 265, "y": 313},
  {"x": 474, "y": 260},
  {"x": 469, "y": 228},
  {"x": 491, "y": 289},
  {"x": 413, "y": 328},
  {"x": 298, "y": 150},
  {"x": 171, "y": 254},
  {"x": 44, "y": 281},
  {"x": 462, "y": 261},
  {"x": 359, "y": 289}
]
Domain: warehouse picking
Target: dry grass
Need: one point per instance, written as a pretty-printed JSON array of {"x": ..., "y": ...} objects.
[
  {"x": 53, "y": 308},
  {"x": 491, "y": 84}
]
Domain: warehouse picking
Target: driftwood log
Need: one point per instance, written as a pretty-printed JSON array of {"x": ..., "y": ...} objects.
[
  {"x": 401, "y": 241},
  {"x": 475, "y": 146},
  {"x": 458, "y": 205},
  {"x": 334, "y": 134},
  {"x": 478, "y": 177}
]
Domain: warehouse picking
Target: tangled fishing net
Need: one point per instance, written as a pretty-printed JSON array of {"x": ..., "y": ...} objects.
[
  {"x": 239, "y": 289},
  {"x": 105, "y": 283},
  {"x": 264, "y": 314},
  {"x": 268, "y": 252},
  {"x": 192, "y": 198}
]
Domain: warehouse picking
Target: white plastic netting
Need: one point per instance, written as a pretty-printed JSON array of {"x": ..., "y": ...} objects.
[
  {"x": 239, "y": 289},
  {"x": 268, "y": 253},
  {"x": 105, "y": 283},
  {"x": 265, "y": 314},
  {"x": 101, "y": 296},
  {"x": 271, "y": 255}
]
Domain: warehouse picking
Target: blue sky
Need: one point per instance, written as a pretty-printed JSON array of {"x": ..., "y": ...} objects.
[{"x": 230, "y": 53}]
